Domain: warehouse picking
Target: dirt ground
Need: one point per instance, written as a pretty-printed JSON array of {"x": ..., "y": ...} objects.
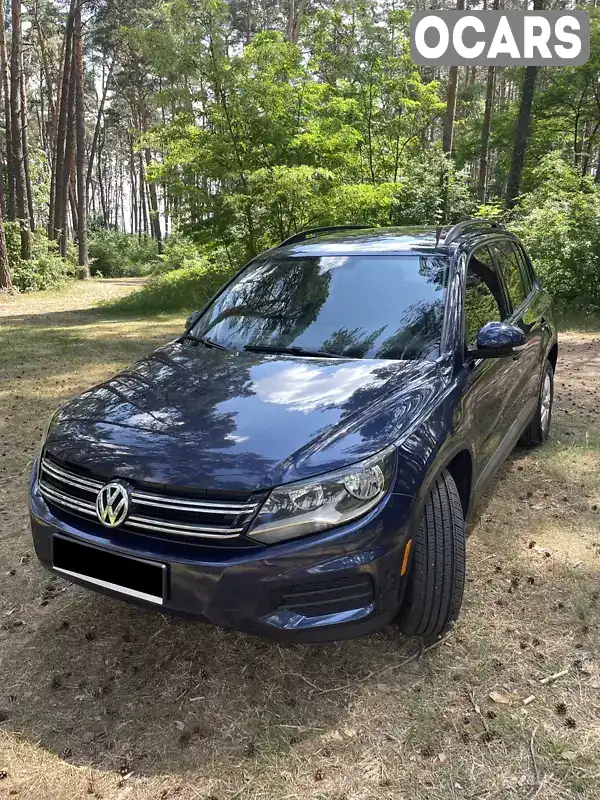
[{"x": 102, "y": 700}]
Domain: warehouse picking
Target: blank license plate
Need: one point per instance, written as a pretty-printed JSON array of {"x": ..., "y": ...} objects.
[{"x": 131, "y": 576}]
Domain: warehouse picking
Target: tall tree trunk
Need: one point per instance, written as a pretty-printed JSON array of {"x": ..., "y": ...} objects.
[
  {"x": 589, "y": 146},
  {"x": 10, "y": 168},
  {"x": 49, "y": 134},
  {"x": 6, "y": 284},
  {"x": 296, "y": 9},
  {"x": 590, "y": 134},
  {"x": 84, "y": 270},
  {"x": 513, "y": 184},
  {"x": 486, "y": 127},
  {"x": 16, "y": 132},
  {"x": 485, "y": 135},
  {"x": 143, "y": 207},
  {"x": 99, "y": 116},
  {"x": 448, "y": 128},
  {"x": 63, "y": 180},
  {"x": 60, "y": 194},
  {"x": 134, "y": 192},
  {"x": 101, "y": 187},
  {"x": 152, "y": 194},
  {"x": 25, "y": 136},
  {"x": 2, "y": 197},
  {"x": 154, "y": 209},
  {"x": 73, "y": 202}
]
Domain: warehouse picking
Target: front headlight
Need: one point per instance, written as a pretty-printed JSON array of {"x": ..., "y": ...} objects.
[{"x": 326, "y": 501}]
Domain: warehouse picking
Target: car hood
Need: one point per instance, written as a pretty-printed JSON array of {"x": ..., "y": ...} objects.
[{"x": 189, "y": 416}]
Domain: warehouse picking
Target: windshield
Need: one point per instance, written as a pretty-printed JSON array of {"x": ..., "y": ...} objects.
[{"x": 356, "y": 306}]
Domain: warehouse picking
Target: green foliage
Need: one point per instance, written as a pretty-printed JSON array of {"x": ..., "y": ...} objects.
[
  {"x": 293, "y": 137},
  {"x": 559, "y": 222},
  {"x": 184, "y": 290},
  {"x": 45, "y": 270},
  {"x": 118, "y": 255},
  {"x": 178, "y": 252}
]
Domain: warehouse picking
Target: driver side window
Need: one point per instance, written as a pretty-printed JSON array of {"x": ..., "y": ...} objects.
[{"x": 484, "y": 298}]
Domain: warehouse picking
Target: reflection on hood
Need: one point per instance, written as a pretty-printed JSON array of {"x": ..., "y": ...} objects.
[{"x": 190, "y": 416}]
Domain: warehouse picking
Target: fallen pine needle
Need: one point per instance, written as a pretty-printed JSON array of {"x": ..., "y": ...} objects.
[
  {"x": 477, "y": 710},
  {"x": 552, "y": 678},
  {"x": 413, "y": 657}
]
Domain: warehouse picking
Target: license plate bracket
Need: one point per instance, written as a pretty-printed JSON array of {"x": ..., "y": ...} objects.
[{"x": 135, "y": 577}]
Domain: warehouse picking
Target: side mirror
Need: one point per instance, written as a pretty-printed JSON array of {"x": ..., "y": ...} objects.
[
  {"x": 192, "y": 320},
  {"x": 497, "y": 340}
]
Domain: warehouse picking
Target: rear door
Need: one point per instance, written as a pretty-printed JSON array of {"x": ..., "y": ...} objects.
[{"x": 524, "y": 367}]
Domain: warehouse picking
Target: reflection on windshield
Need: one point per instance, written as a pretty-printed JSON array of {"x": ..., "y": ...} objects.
[{"x": 354, "y": 306}]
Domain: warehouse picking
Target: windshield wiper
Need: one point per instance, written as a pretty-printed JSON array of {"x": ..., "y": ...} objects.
[
  {"x": 202, "y": 340},
  {"x": 293, "y": 351}
]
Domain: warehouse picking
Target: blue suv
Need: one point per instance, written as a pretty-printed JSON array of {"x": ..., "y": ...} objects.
[{"x": 300, "y": 462}]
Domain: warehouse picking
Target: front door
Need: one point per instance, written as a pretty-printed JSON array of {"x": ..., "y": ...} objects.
[{"x": 484, "y": 402}]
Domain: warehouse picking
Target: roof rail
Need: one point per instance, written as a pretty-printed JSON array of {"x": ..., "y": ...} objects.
[
  {"x": 301, "y": 236},
  {"x": 462, "y": 227}
]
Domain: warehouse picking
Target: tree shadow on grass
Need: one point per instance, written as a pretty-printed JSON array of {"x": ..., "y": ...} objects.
[{"x": 79, "y": 317}]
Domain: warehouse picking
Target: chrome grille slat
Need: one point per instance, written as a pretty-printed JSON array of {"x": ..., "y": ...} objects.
[
  {"x": 231, "y": 513},
  {"x": 65, "y": 500},
  {"x": 165, "y": 527},
  {"x": 68, "y": 477},
  {"x": 181, "y": 504}
]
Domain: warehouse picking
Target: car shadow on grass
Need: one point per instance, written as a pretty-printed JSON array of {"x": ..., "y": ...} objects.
[{"x": 101, "y": 683}]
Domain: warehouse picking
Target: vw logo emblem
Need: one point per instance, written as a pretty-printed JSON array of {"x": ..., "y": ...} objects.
[{"x": 112, "y": 504}]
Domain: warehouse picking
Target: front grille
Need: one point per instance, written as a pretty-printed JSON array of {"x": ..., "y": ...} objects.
[
  {"x": 75, "y": 492},
  {"x": 342, "y": 594}
]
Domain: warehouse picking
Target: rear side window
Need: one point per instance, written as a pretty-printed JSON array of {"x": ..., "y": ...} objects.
[
  {"x": 484, "y": 297},
  {"x": 526, "y": 268},
  {"x": 510, "y": 267}
]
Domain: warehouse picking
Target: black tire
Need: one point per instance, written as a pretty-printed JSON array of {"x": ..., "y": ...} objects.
[
  {"x": 436, "y": 578},
  {"x": 538, "y": 429}
]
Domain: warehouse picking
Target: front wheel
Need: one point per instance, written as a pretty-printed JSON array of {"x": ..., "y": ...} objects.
[
  {"x": 436, "y": 578},
  {"x": 539, "y": 428}
]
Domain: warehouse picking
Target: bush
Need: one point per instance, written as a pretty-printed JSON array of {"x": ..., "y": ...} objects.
[
  {"x": 420, "y": 196},
  {"x": 178, "y": 252},
  {"x": 559, "y": 223},
  {"x": 44, "y": 270},
  {"x": 119, "y": 255},
  {"x": 184, "y": 290}
]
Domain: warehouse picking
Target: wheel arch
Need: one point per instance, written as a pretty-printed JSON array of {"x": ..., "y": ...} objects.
[
  {"x": 460, "y": 463},
  {"x": 461, "y": 468},
  {"x": 552, "y": 355}
]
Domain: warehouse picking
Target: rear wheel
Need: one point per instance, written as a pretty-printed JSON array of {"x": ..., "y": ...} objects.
[
  {"x": 539, "y": 428},
  {"x": 436, "y": 579}
]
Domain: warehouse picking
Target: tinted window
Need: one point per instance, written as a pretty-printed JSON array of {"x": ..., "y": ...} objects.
[
  {"x": 359, "y": 306},
  {"x": 508, "y": 262},
  {"x": 484, "y": 298}
]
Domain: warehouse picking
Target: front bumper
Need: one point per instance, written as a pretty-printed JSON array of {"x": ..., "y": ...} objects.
[{"x": 249, "y": 589}]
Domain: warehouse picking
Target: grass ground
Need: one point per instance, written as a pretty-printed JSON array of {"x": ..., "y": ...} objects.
[{"x": 102, "y": 700}]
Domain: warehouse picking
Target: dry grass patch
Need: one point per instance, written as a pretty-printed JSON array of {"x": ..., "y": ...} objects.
[{"x": 99, "y": 699}]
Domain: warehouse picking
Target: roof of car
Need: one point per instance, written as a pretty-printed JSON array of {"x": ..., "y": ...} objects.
[{"x": 424, "y": 239}]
